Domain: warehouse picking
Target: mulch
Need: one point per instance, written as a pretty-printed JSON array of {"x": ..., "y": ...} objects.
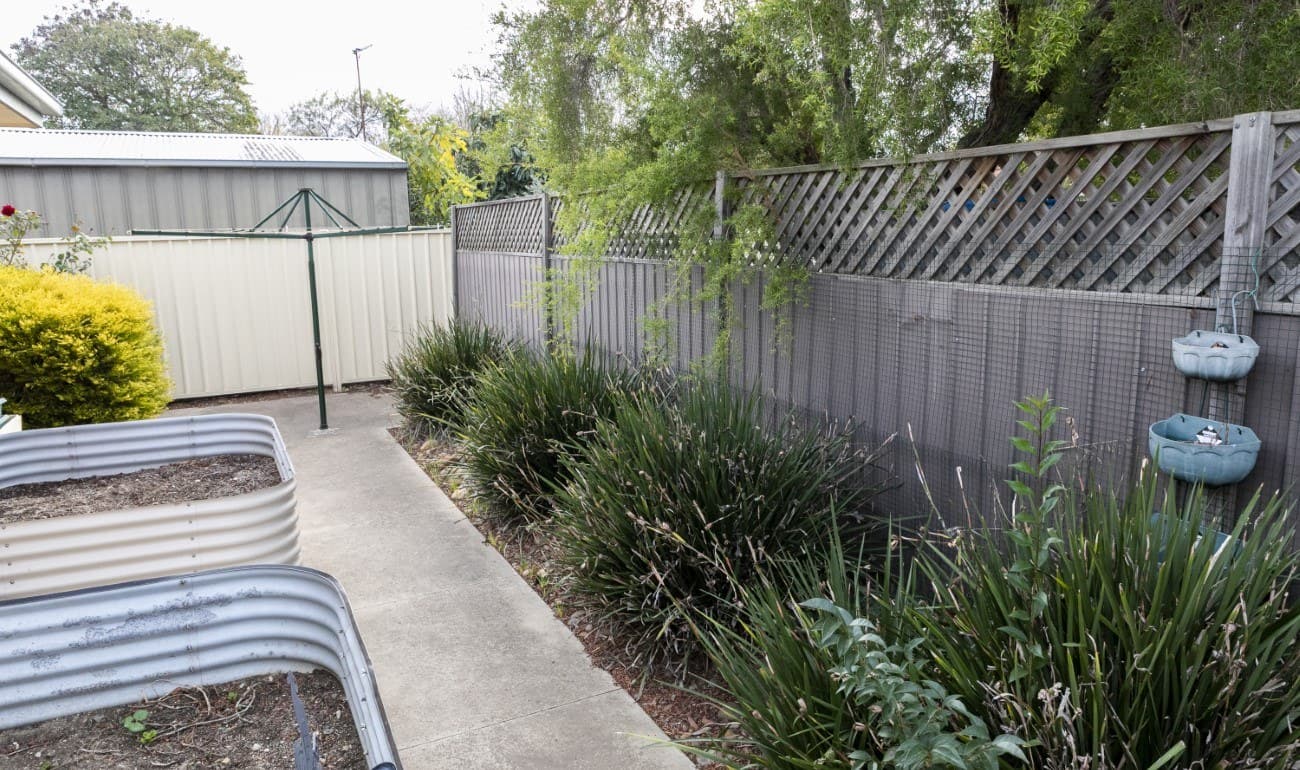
[
  {"x": 244, "y": 724},
  {"x": 200, "y": 479}
]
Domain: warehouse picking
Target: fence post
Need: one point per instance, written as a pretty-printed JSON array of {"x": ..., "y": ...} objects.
[
  {"x": 1245, "y": 220},
  {"x": 455, "y": 259},
  {"x": 548, "y": 299},
  {"x": 721, "y": 212}
]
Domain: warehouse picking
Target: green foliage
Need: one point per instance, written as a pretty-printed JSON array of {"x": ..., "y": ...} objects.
[
  {"x": 815, "y": 685},
  {"x": 74, "y": 257},
  {"x": 114, "y": 71},
  {"x": 331, "y": 113},
  {"x": 670, "y": 508},
  {"x": 501, "y": 164},
  {"x": 429, "y": 145},
  {"x": 912, "y": 720},
  {"x": 527, "y": 415},
  {"x": 1079, "y": 66},
  {"x": 436, "y": 370},
  {"x": 1111, "y": 632},
  {"x": 74, "y": 351},
  {"x": 135, "y": 724},
  {"x": 14, "y": 228}
]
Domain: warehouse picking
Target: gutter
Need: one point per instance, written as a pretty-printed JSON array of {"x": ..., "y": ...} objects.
[{"x": 33, "y": 95}]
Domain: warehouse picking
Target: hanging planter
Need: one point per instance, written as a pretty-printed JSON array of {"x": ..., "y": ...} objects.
[
  {"x": 1218, "y": 356},
  {"x": 1184, "y": 447}
]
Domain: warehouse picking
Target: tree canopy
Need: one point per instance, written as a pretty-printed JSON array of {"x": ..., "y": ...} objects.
[
  {"x": 115, "y": 71},
  {"x": 333, "y": 114},
  {"x": 611, "y": 91},
  {"x": 429, "y": 145}
]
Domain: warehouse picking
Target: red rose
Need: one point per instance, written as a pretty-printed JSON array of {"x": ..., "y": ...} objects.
[{"x": 7, "y": 210}]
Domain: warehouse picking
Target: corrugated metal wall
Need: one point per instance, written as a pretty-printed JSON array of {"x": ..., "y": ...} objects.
[
  {"x": 235, "y": 315},
  {"x": 108, "y": 200}
]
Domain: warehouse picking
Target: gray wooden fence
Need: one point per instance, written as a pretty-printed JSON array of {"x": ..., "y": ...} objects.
[{"x": 946, "y": 286}]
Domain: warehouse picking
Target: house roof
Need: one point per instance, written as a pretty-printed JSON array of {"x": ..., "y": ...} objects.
[
  {"x": 23, "y": 101},
  {"x": 50, "y": 147}
]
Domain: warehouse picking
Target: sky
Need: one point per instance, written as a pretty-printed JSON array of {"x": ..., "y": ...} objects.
[{"x": 295, "y": 50}]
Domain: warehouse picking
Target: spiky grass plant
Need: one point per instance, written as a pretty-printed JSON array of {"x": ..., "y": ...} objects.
[
  {"x": 437, "y": 368},
  {"x": 529, "y": 414},
  {"x": 670, "y": 508},
  {"x": 1112, "y": 631}
]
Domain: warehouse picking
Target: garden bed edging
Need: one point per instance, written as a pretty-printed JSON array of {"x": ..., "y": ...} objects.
[{"x": 70, "y": 552}]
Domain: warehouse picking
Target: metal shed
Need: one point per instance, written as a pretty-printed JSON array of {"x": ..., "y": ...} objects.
[{"x": 111, "y": 182}]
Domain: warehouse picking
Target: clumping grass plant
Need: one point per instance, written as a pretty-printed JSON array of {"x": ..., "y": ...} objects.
[
  {"x": 529, "y": 414},
  {"x": 1116, "y": 632},
  {"x": 669, "y": 509},
  {"x": 436, "y": 370}
]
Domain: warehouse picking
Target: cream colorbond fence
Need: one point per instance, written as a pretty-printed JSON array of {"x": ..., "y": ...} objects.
[{"x": 235, "y": 315}]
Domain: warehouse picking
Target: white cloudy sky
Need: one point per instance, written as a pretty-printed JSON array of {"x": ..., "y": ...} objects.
[{"x": 293, "y": 50}]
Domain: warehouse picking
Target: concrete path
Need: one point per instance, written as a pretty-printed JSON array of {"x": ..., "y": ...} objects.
[{"x": 474, "y": 669}]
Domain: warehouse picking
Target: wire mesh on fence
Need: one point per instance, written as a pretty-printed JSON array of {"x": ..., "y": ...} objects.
[{"x": 939, "y": 365}]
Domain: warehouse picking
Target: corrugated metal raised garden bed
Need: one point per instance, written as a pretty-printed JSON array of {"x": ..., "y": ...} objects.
[
  {"x": 62, "y": 553},
  {"x": 115, "y": 646}
]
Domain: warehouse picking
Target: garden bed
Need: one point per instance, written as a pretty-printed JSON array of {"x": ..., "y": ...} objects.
[
  {"x": 100, "y": 504},
  {"x": 533, "y": 554},
  {"x": 154, "y": 636},
  {"x": 243, "y": 724}
]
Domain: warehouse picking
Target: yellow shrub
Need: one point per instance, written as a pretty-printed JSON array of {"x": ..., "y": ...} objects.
[{"x": 75, "y": 351}]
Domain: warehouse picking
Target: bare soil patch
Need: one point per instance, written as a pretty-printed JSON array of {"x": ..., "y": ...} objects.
[
  {"x": 535, "y": 556},
  {"x": 244, "y": 724},
  {"x": 200, "y": 479}
]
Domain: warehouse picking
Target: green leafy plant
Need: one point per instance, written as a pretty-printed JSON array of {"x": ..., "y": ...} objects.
[
  {"x": 77, "y": 247},
  {"x": 1106, "y": 630},
  {"x": 911, "y": 720},
  {"x": 529, "y": 413},
  {"x": 436, "y": 370},
  {"x": 816, "y": 685},
  {"x": 15, "y": 224},
  {"x": 74, "y": 351},
  {"x": 136, "y": 725},
  {"x": 670, "y": 508}
]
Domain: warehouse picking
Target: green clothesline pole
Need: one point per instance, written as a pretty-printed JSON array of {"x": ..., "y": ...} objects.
[
  {"x": 315, "y": 311},
  {"x": 304, "y": 197}
]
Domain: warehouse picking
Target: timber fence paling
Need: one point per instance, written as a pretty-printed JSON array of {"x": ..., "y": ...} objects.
[{"x": 944, "y": 286}]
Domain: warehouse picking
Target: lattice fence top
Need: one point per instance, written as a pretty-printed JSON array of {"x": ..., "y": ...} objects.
[
  {"x": 511, "y": 226},
  {"x": 1144, "y": 214},
  {"x": 650, "y": 232},
  {"x": 1280, "y": 268},
  {"x": 1137, "y": 211}
]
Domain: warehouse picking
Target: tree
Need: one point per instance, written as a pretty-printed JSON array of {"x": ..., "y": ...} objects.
[
  {"x": 333, "y": 114},
  {"x": 114, "y": 71},
  {"x": 429, "y": 146},
  {"x": 1078, "y": 66},
  {"x": 500, "y": 167},
  {"x": 610, "y": 87}
]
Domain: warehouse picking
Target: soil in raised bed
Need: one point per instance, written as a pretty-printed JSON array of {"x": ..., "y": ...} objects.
[
  {"x": 245, "y": 724},
  {"x": 199, "y": 479}
]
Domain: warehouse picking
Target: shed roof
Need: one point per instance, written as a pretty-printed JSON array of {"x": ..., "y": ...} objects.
[{"x": 48, "y": 147}]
